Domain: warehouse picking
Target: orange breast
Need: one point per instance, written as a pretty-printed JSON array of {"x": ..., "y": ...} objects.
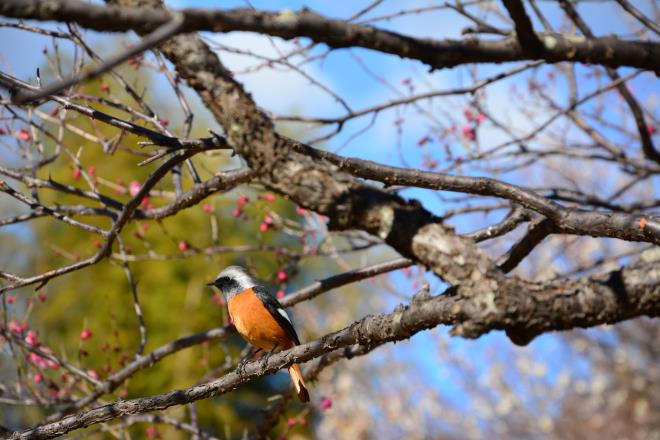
[{"x": 255, "y": 323}]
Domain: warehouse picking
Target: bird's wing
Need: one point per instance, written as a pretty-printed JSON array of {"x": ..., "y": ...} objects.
[{"x": 277, "y": 311}]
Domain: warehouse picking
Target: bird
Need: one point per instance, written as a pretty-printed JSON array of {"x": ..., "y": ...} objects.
[{"x": 259, "y": 318}]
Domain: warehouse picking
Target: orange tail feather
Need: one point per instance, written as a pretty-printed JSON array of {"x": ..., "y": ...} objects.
[{"x": 299, "y": 383}]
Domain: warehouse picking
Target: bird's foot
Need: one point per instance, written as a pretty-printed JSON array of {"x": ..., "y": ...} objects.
[
  {"x": 266, "y": 356},
  {"x": 240, "y": 368}
]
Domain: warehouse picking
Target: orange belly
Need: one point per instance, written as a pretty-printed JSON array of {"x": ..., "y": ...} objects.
[{"x": 255, "y": 323}]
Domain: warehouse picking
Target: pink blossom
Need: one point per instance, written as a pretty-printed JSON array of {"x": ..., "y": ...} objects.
[
  {"x": 291, "y": 422},
  {"x": 650, "y": 129},
  {"x": 91, "y": 170},
  {"x": 16, "y": 327},
  {"x": 469, "y": 132},
  {"x": 207, "y": 208},
  {"x": 42, "y": 297},
  {"x": 480, "y": 118},
  {"x": 37, "y": 360},
  {"x": 326, "y": 403},
  {"x": 236, "y": 212},
  {"x": 430, "y": 164},
  {"x": 11, "y": 299},
  {"x": 242, "y": 201},
  {"x": 93, "y": 374},
  {"x": 268, "y": 220},
  {"x": 52, "y": 364},
  {"x": 145, "y": 203},
  {"x": 263, "y": 227},
  {"x": 183, "y": 246},
  {"x": 151, "y": 431},
  {"x": 24, "y": 135},
  {"x": 38, "y": 377},
  {"x": 282, "y": 276},
  {"x": 279, "y": 294},
  {"x": 270, "y": 197},
  {"x": 76, "y": 173},
  {"x": 85, "y": 334},
  {"x": 164, "y": 122},
  {"x": 300, "y": 211},
  {"x": 31, "y": 338},
  {"x": 134, "y": 188}
]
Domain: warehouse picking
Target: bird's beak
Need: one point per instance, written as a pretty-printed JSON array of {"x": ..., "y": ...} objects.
[{"x": 212, "y": 283}]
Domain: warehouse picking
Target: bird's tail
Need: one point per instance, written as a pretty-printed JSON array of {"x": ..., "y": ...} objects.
[{"x": 299, "y": 383}]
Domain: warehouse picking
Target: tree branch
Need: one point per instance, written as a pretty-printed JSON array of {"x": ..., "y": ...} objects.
[
  {"x": 604, "y": 224},
  {"x": 608, "y": 51},
  {"x": 537, "y": 232},
  {"x": 648, "y": 147},
  {"x": 530, "y": 43},
  {"x": 523, "y": 311},
  {"x": 165, "y": 31}
]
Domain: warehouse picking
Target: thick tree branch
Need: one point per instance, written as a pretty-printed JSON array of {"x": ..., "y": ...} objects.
[
  {"x": 349, "y": 203},
  {"x": 521, "y": 309},
  {"x": 607, "y": 51},
  {"x": 572, "y": 221}
]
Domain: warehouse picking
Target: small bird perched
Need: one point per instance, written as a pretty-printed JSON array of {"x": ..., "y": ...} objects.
[{"x": 259, "y": 318}]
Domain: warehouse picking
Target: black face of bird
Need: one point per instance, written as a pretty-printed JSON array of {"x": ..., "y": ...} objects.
[
  {"x": 232, "y": 280},
  {"x": 226, "y": 285}
]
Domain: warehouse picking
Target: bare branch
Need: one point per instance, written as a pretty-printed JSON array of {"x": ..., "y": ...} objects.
[
  {"x": 527, "y": 38},
  {"x": 159, "y": 35},
  {"x": 437, "y": 54},
  {"x": 617, "y": 225},
  {"x": 537, "y": 232},
  {"x": 647, "y": 142}
]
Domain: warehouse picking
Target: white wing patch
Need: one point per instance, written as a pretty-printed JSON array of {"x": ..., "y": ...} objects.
[{"x": 283, "y": 313}]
